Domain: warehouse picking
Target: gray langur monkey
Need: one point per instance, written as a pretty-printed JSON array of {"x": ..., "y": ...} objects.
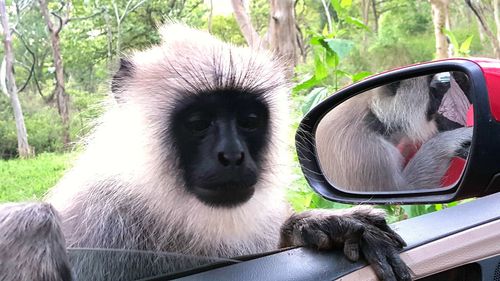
[
  {"x": 192, "y": 159},
  {"x": 357, "y": 142}
]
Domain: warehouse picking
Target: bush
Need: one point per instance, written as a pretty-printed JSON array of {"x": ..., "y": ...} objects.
[
  {"x": 43, "y": 123},
  {"x": 86, "y": 108}
]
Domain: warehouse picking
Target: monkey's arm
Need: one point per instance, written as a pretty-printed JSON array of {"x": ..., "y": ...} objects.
[
  {"x": 430, "y": 163},
  {"x": 32, "y": 245},
  {"x": 360, "y": 229}
]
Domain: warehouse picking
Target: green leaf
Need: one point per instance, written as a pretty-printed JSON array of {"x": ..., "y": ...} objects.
[
  {"x": 341, "y": 73},
  {"x": 452, "y": 204},
  {"x": 407, "y": 210},
  {"x": 345, "y": 3},
  {"x": 341, "y": 47},
  {"x": 325, "y": 31},
  {"x": 337, "y": 6},
  {"x": 313, "y": 98},
  {"x": 430, "y": 208},
  {"x": 465, "y": 46},
  {"x": 320, "y": 70},
  {"x": 332, "y": 59},
  {"x": 415, "y": 210},
  {"x": 316, "y": 40},
  {"x": 452, "y": 37},
  {"x": 356, "y": 22},
  {"x": 308, "y": 199},
  {"x": 360, "y": 75},
  {"x": 309, "y": 82}
]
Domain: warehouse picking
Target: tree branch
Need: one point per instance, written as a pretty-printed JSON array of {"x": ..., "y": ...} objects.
[
  {"x": 61, "y": 22},
  {"x": 32, "y": 67},
  {"x": 484, "y": 25},
  {"x": 328, "y": 16},
  {"x": 243, "y": 19},
  {"x": 85, "y": 18}
]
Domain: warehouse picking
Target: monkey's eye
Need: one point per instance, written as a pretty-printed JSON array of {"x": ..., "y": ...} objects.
[
  {"x": 249, "y": 122},
  {"x": 197, "y": 124}
]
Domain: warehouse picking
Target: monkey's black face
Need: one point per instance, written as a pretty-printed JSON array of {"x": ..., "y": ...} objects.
[
  {"x": 220, "y": 138},
  {"x": 437, "y": 90}
]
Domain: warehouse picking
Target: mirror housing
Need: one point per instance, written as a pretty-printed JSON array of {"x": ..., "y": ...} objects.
[{"x": 481, "y": 175}]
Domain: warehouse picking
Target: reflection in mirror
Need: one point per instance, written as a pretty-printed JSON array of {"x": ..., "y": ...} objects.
[{"x": 408, "y": 135}]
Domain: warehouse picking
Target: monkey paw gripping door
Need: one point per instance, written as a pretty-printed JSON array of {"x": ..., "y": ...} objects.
[{"x": 418, "y": 134}]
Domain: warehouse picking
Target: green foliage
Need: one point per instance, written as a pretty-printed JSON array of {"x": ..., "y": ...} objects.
[
  {"x": 329, "y": 51},
  {"x": 227, "y": 29},
  {"x": 259, "y": 13},
  {"x": 314, "y": 98},
  {"x": 405, "y": 36},
  {"x": 29, "y": 179},
  {"x": 476, "y": 47},
  {"x": 44, "y": 129},
  {"x": 406, "y": 20},
  {"x": 86, "y": 109},
  {"x": 459, "y": 49},
  {"x": 42, "y": 124}
]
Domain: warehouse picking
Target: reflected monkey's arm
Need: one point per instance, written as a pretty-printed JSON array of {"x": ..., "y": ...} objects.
[{"x": 427, "y": 168}]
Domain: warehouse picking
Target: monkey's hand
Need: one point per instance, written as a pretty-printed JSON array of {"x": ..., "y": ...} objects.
[
  {"x": 427, "y": 168},
  {"x": 450, "y": 143},
  {"x": 32, "y": 245},
  {"x": 359, "y": 229}
]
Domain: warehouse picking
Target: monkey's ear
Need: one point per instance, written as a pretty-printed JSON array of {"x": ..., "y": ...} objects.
[
  {"x": 463, "y": 82},
  {"x": 125, "y": 71}
]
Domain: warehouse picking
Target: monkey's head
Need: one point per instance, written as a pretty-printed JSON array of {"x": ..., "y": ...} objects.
[
  {"x": 410, "y": 106},
  {"x": 214, "y": 113}
]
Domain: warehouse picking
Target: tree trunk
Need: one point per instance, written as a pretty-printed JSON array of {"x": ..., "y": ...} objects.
[
  {"x": 246, "y": 27},
  {"x": 496, "y": 12},
  {"x": 375, "y": 15},
  {"x": 210, "y": 16},
  {"x": 480, "y": 30},
  {"x": 23, "y": 147},
  {"x": 109, "y": 36},
  {"x": 59, "y": 92},
  {"x": 365, "y": 12},
  {"x": 439, "y": 18},
  {"x": 283, "y": 33},
  {"x": 487, "y": 30}
]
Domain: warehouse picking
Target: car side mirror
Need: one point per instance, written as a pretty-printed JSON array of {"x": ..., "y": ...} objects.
[{"x": 424, "y": 133}]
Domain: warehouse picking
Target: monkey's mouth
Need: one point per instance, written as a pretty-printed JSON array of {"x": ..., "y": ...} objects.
[{"x": 228, "y": 194}]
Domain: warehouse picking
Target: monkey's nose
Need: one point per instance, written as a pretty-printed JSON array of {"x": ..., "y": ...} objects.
[{"x": 231, "y": 158}]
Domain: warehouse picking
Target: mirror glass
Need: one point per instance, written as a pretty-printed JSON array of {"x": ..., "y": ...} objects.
[{"x": 408, "y": 135}]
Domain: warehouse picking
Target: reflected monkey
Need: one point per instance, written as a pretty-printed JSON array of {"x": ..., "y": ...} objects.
[{"x": 364, "y": 143}]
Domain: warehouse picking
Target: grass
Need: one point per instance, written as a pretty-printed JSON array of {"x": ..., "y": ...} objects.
[{"x": 30, "y": 179}]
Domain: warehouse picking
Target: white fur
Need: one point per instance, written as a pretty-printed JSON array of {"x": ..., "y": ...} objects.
[{"x": 123, "y": 149}]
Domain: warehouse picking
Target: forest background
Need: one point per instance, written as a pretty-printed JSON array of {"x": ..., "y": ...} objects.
[{"x": 59, "y": 55}]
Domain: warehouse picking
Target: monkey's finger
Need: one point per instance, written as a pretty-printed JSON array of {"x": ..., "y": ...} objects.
[
  {"x": 375, "y": 254},
  {"x": 353, "y": 238},
  {"x": 351, "y": 250},
  {"x": 399, "y": 268},
  {"x": 315, "y": 237},
  {"x": 396, "y": 239},
  {"x": 381, "y": 224},
  {"x": 380, "y": 265}
]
